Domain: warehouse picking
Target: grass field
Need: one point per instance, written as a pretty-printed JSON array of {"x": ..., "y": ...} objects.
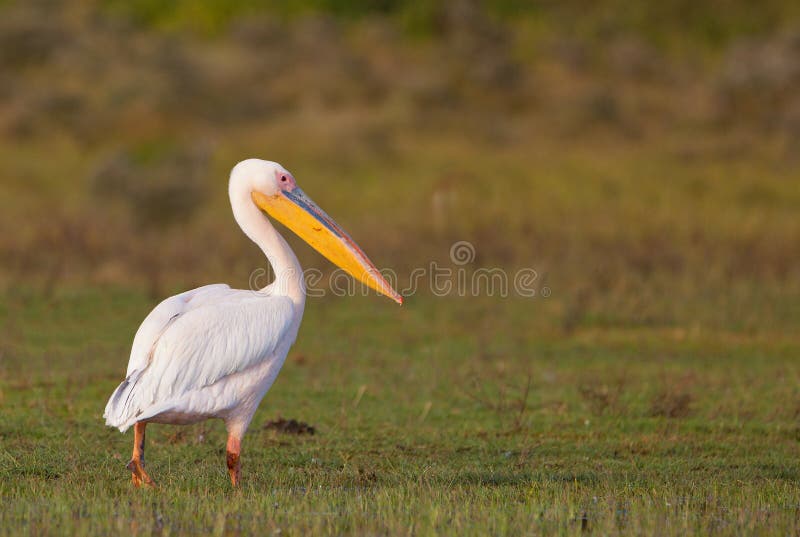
[{"x": 424, "y": 425}]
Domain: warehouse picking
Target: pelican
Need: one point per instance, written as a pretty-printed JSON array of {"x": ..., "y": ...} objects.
[{"x": 213, "y": 352}]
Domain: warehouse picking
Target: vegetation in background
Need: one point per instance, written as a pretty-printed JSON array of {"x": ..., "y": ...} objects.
[
  {"x": 624, "y": 172},
  {"x": 708, "y": 24}
]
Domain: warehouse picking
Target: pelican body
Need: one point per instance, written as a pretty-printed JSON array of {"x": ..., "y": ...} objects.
[{"x": 214, "y": 352}]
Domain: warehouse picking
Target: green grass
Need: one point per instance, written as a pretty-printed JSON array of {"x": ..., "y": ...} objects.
[{"x": 449, "y": 415}]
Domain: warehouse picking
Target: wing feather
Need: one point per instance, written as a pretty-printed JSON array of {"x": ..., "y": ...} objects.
[
  {"x": 158, "y": 320},
  {"x": 193, "y": 340},
  {"x": 214, "y": 341}
]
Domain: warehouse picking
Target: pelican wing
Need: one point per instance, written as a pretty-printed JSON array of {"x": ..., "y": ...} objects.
[
  {"x": 193, "y": 340},
  {"x": 162, "y": 316}
]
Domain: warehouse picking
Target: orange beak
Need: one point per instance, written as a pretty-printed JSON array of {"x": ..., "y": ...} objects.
[{"x": 299, "y": 213}]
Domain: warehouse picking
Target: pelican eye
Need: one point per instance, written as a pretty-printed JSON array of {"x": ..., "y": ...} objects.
[{"x": 283, "y": 178}]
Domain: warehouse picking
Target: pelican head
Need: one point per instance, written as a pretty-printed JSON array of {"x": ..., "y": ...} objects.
[{"x": 274, "y": 190}]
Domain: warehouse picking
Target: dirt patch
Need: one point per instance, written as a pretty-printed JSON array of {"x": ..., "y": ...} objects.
[
  {"x": 290, "y": 426},
  {"x": 672, "y": 405}
]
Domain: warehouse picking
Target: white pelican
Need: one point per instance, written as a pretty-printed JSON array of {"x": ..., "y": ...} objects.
[{"x": 213, "y": 352}]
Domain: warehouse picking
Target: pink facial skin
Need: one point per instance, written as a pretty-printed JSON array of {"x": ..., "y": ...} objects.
[{"x": 285, "y": 180}]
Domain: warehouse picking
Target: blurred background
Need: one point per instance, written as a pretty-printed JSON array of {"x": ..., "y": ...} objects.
[{"x": 643, "y": 158}]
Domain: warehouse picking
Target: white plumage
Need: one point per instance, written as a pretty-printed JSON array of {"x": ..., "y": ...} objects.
[
  {"x": 213, "y": 352},
  {"x": 175, "y": 377}
]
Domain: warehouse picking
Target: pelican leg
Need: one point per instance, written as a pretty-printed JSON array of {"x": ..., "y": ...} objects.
[
  {"x": 233, "y": 449},
  {"x": 136, "y": 465}
]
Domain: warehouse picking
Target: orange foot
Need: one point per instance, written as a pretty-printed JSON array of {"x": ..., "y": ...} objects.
[{"x": 138, "y": 475}]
